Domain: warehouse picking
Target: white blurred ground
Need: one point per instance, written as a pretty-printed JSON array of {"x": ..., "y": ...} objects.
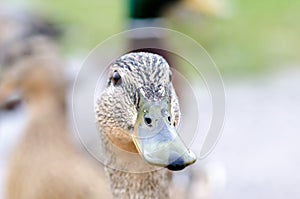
[
  {"x": 259, "y": 149},
  {"x": 258, "y": 154}
]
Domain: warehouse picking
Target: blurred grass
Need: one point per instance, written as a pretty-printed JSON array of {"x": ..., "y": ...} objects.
[
  {"x": 87, "y": 22},
  {"x": 254, "y": 37}
]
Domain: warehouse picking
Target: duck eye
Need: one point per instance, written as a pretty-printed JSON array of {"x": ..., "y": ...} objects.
[{"x": 116, "y": 78}]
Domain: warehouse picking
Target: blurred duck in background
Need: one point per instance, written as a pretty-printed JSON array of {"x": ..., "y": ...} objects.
[{"x": 46, "y": 163}]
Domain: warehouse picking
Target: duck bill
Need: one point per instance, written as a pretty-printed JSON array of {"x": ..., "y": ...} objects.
[{"x": 156, "y": 138}]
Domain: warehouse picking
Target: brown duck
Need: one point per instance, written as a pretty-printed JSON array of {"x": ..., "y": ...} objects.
[{"x": 137, "y": 115}]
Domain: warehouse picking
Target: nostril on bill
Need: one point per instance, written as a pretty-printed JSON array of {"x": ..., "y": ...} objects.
[
  {"x": 148, "y": 121},
  {"x": 176, "y": 162}
]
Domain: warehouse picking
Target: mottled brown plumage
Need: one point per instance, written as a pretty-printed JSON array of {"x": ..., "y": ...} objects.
[{"x": 130, "y": 176}]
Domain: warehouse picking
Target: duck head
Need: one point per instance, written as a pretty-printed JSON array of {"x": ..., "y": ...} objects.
[
  {"x": 30, "y": 66},
  {"x": 139, "y": 111}
]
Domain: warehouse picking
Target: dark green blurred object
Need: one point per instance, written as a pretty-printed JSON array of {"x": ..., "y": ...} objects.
[{"x": 140, "y": 9}]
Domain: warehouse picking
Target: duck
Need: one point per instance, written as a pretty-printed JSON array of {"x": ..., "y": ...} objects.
[
  {"x": 46, "y": 163},
  {"x": 138, "y": 114}
]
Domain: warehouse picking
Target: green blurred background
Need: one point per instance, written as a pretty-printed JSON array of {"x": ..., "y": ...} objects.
[{"x": 243, "y": 37}]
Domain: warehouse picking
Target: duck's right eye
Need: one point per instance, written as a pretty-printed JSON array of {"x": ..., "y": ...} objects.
[{"x": 116, "y": 78}]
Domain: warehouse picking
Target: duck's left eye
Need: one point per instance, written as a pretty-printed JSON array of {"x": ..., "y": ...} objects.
[{"x": 116, "y": 78}]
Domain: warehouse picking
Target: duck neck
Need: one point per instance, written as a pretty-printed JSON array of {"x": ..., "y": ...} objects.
[
  {"x": 132, "y": 178},
  {"x": 153, "y": 184}
]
